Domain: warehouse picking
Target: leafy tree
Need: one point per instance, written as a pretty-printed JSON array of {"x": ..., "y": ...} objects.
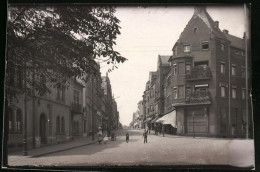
[{"x": 51, "y": 44}]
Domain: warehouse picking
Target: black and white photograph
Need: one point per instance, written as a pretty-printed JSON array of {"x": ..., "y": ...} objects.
[{"x": 115, "y": 85}]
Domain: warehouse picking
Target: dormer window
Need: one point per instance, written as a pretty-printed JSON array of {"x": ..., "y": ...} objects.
[
  {"x": 186, "y": 48},
  {"x": 205, "y": 45},
  {"x": 195, "y": 29}
]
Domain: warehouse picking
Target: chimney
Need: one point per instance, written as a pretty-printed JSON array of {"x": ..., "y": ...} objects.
[
  {"x": 225, "y": 31},
  {"x": 216, "y": 24},
  {"x": 199, "y": 9}
]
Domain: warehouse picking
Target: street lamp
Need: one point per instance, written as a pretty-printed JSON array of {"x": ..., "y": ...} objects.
[{"x": 193, "y": 124}]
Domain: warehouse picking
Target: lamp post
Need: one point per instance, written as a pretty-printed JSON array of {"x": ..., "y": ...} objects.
[
  {"x": 25, "y": 115},
  {"x": 193, "y": 124}
]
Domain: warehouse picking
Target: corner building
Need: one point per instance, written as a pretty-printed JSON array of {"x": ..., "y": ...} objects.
[{"x": 207, "y": 80}]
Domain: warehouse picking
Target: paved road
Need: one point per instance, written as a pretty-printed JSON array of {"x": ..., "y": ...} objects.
[{"x": 158, "y": 151}]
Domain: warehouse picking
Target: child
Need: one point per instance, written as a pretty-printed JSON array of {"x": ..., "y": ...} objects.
[
  {"x": 105, "y": 139},
  {"x": 127, "y": 137}
]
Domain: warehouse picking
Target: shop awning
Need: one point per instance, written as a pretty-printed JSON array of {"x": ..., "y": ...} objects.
[
  {"x": 154, "y": 120},
  {"x": 161, "y": 119},
  {"x": 147, "y": 120},
  {"x": 170, "y": 119}
]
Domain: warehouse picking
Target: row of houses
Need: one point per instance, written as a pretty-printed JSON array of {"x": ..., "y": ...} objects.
[
  {"x": 62, "y": 115},
  {"x": 203, "y": 87}
]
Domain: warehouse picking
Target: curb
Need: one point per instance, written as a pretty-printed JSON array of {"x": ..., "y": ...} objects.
[{"x": 56, "y": 151}]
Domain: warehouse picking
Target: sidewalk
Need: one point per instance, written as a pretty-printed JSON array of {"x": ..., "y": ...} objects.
[{"x": 49, "y": 149}]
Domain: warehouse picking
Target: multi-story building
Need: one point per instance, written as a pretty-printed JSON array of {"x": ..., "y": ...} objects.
[
  {"x": 207, "y": 79},
  {"x": 202, "y": 86}
]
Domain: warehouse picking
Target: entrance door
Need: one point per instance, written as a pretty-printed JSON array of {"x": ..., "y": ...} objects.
[
  {"x": 196, "y": 124},
  {"x": 43, "y": 128}
]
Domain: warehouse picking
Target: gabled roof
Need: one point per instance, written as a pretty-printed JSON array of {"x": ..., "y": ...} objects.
[
  {"x": 164, "y": 59},
  {"x": 205, "y": 17},
  {"x": 236, "y": 41}
]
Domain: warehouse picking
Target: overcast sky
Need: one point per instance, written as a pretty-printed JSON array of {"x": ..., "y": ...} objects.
[{"x": 149, "y": 32}]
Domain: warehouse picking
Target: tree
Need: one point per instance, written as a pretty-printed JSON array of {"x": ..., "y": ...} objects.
[{"x": 51, "y": 44}]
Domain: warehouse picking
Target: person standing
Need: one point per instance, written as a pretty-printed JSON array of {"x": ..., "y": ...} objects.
[
  {"x": 127, "y": 137},
  {"x": 100, "y": 136},
  {"x": 145, "y": 136},
  {"x": 163, "y": 130}
]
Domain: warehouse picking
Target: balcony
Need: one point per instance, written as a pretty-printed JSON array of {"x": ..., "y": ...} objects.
[
  {"x": 76, "y": 108},
  {"x": 198, "y": 97},
  {"x": 198, "y": 73}
]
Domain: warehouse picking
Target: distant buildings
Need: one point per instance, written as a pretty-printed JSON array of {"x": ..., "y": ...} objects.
[
  {"x": 202, "y": 85},
  {"x": 66, "y": 113}
]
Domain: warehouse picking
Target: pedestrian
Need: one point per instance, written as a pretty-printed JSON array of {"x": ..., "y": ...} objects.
[
  {"x": 105, "y": 139},
  {"x": 145, "y": 136},
  {"x": 100, "y": 136},
  {"x": 163, "y": 130},
  {"x": 127, "y": 137}
]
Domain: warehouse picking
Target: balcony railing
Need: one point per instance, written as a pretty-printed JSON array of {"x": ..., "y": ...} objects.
[
  {"x": 198, "y": 97},
  {"x": 199, "y": 72},
  {"x": 76, "y": 108}
]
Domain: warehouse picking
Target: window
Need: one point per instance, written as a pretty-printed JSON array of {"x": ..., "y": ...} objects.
[
  {"x": 181, "y": 68},
  {"x": 223, "y": 91},
  {"x": 62, "y": 125},
  {"x": 237, "y": 51},
  {"x": 181, "y": 91},
  {"x": 222, "y": 68},
  {"x": 76, "y": 97},
  {"x": 242, "y": 53},
  {"x": 174, "y": 69},
  {"x": 18, "y": 123},
  {"x": 243, "y": 93},
  {"x": 234, "y": 93},
  {"x": 175, "y": 93},
  {"x": 243, "y": 73},
  {"x": 188, "y": 92},
  {"x": 205, "y": 45},
  {"x": 222, "y": 47},
  {"x": 195, "y": 29},
  {"x": 186, "y": 48},
  {"x": 188, "y": 68},
  {"x": 233, "y": 70},
  {"x": 11, "y": 119},
  {"x": 58, "y": 124}
]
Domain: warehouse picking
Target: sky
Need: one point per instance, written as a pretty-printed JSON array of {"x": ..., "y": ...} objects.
[{"x": 147, "y": 32}]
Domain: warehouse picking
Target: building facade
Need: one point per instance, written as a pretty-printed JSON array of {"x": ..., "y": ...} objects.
[{"x": 204, "y": 82}]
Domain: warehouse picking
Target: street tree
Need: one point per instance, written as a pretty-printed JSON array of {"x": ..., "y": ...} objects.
[{"x": 51, "y": 44}]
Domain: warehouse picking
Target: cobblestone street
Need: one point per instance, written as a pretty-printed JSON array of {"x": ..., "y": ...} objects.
[{"x": 168, "y": 150}]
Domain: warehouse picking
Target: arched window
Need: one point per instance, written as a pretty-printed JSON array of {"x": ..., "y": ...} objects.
[
  {"x": 11, "y": 119},
  {"x": 58, "y": 124},
  {"x": 62, "y": 125},
  {"x": 18, "y": 124}
]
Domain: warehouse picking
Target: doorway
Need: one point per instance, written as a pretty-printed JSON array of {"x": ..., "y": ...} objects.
[{"x": 43, "y": 123}]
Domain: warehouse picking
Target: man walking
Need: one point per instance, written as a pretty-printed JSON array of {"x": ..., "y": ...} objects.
[
  {"x": 145, "y": 136},
  {"x": 127, "y": 137}
]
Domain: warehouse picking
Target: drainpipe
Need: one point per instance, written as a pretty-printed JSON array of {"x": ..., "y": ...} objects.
[
  {"x": 245, "y": 37},
  {"x": 229, "y": 91}
]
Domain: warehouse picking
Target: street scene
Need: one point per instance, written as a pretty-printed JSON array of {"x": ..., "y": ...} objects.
[
  {"x": 129, "y": 86},
  {"x": 159, "y": 150}
]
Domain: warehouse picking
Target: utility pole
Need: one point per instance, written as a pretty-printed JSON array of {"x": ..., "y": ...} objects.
[{"x": 193, "y": 124}]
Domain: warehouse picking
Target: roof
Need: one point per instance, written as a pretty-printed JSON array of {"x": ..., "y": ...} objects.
[
  {"x": 164, "y": 59},
  {"x": 200, "y": 12},
  {"x": 203, "y": 14},
  {"x": 236, "y": 41}
]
